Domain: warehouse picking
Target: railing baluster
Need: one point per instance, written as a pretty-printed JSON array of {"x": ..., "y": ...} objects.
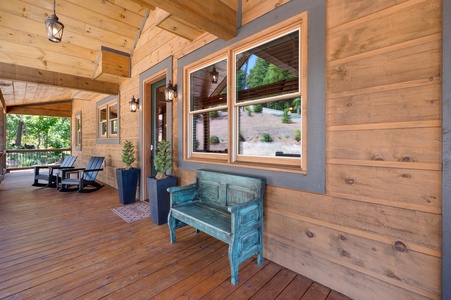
[{"x": 27, "y": 158}]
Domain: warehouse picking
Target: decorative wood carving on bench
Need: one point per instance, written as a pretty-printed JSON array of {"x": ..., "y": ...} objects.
[{"x": 226, "y": 206}]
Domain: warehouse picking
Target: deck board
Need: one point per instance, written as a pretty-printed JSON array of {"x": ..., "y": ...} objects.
[{"x": 71, "y": 245}]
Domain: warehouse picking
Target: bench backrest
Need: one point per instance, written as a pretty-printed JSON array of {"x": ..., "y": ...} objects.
[
  {"x": 68, "y": 161},
  {"x": 228, "y": 189},
  {"x": 94, "y": 163}
]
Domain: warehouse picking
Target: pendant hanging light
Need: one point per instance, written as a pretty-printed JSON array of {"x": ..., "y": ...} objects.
[{"x": 54, "y": 27}]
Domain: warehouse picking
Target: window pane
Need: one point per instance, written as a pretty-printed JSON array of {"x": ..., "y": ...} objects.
[
  {"x": 102, "y": 115},
  {"x": 103, "y": 128},
  {"x": 270, "y": 129},
  {"x": 112, "y": 111},
  {"x": 271, "y": 69},
  {"x": 210, "y": 132},
  {"x": 204, "y": 92},
  {"x": 113, "y": 126},
  {"x": 78, "y": 132}
]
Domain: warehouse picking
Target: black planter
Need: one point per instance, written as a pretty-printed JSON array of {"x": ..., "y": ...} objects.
[
  {"x": 159, "y": 198},
  {"x": 127, "y": 181}
]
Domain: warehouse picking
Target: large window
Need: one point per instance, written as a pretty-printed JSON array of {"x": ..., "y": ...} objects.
[
  {"x": 108, "y": 120},
  {"x": 248, "y": 105}
]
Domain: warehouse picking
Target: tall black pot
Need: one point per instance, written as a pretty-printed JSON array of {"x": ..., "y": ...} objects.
[
  {"x": 127, "y": 181},
  {"x": 159, "y": 198}
]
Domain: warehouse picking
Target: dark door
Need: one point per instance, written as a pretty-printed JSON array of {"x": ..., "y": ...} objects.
[{"x": 158, "y": 118}]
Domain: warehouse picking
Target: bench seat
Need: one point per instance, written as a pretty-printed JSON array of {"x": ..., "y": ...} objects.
[{"x": 211, "y": 219}]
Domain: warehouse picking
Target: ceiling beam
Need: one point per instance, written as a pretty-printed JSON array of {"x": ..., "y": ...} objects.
[
  {"x": 52, "y": 109},
  {"x": 213, "y": 16},
  {"x": 27, "y": 74}
]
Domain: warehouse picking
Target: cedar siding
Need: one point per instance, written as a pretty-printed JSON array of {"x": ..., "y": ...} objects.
[{"x": 376, "y": 232}]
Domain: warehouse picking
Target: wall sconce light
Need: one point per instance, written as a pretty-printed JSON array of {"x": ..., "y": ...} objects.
[
  {"x": 170, "y": 92},
  {"x": 53, "y": 27},
  {"x": 133, "y": 104},
  {"x": 214, "y": 75}
]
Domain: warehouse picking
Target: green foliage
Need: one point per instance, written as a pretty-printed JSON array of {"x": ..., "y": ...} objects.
[
  {"x": 266, "y": 137},
  {"x": 240, "y": 80},
  {"x": 258, "y": 108},
  {"x": 297, "y": 135},
  {"x": 286, "y": 117},
  {"x": 214, "y": 114},
  {"x": 248, "y": 110},
  {"x": 163, "y": 159},
  {"x": 214, "y": 139},
  {"x": 258, "y": 73},
  {"x": 128, "y": 154},
  {"x": 297, "y": 104},
  {"x": 40, "y": 131}
]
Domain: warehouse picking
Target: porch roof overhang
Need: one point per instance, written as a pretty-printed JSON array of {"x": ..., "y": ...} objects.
[{"x": 34, "y": 71}]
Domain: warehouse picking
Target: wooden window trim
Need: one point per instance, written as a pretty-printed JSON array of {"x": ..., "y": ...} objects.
[{"x": 297, "y": 23}]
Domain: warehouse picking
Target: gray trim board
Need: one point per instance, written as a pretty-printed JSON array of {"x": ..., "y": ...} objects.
[
  {"x": 164, "y": 65},
  {"x": 446, "y": 150},
  {"x": 314, "y": 180}
]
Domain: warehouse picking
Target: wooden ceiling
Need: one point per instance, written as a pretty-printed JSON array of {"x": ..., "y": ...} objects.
[{"x": 35, "y": 70}]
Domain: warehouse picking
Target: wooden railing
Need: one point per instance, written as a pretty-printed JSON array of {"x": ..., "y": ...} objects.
[
  {"x": 26, "y": 159},
  {"x": 2, "y": 165}
]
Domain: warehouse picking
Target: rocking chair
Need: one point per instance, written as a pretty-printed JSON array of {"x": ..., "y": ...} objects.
[
  {"x": 52, "y": 172},
  {"x": 85, "y": 177}
]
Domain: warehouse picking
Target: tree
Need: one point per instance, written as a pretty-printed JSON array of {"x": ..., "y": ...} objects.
[
  {"x": 43, "y": 132},
  {"x": 258, "y": 73}
]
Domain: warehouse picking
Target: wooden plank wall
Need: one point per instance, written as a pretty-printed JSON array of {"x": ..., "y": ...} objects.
[{"x": 376, "y": 233}]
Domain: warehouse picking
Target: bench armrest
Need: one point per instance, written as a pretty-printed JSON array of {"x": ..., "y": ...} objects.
[
  {"x": 183, "y": 194},
  {"x": 246, "y": 215},
  {"x": 91, "y": 170},
  {"x": 243, "y": 206},
  {"x": 60, "y": 167}
]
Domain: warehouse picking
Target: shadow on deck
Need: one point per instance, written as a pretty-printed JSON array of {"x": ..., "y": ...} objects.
[{"x": 71, "y": 245}]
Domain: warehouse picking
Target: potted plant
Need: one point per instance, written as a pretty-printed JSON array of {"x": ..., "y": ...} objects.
[
  {"x": 127, "y": 178},
  {"x": 157, "y": 185}
]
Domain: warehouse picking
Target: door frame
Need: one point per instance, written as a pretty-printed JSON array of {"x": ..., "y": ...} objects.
[{"x": 146, "y": 79}]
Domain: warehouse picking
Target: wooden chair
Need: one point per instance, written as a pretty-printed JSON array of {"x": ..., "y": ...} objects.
[
  {"x": 85, "y": 177},
  {"x": 51, "y": 172}
]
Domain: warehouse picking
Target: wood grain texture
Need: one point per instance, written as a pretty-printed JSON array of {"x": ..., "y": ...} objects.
[
  {"x": 383, "y": 151},
  {"x": 69, "y": 246}
]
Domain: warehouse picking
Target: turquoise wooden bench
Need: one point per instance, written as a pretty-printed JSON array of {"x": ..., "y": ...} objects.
[{"x": 226, "y": 206}]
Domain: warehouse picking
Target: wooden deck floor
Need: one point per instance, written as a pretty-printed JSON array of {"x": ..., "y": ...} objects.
[{"x": 67, "y": 246}]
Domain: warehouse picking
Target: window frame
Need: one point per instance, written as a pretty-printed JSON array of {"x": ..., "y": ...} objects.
[
  {"x": 106, "y": 103},
  {"x": 189, "y": 153},
  {"x": 78, "y": 130},
  {"x": 290, "y": 164},
  {"x": 314, "y": 181}
]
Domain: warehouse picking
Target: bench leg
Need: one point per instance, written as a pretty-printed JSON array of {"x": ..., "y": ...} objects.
[
  {"x": 233, "y": 259},
  {"x": 171, "y": 224},
  {"x": 260, "y": 249}
]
